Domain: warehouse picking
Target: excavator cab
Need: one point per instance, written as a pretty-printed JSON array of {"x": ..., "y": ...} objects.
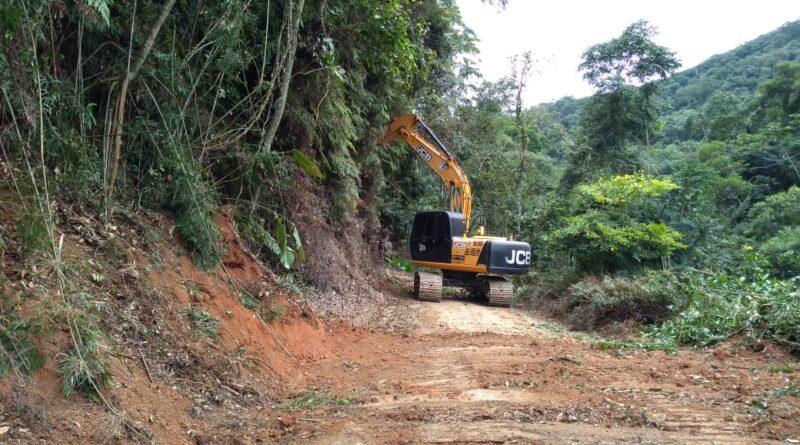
[
  {"x": 432, "y": 235},
  {"x": 441, "y": 239}
]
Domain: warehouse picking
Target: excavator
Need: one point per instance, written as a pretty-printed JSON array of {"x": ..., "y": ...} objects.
[{"x": 442, "y": 239}]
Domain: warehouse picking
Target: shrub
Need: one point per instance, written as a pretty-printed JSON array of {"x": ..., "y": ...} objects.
[
  {"x": 768, "y": 217},
  {"x": 32, "y": 232},
  {"x": 746, "y": 300},
  {"x": 783, "y": 251},
  {"x": 288, "y": 247},
  {"x": 176, "y": 183},
  {"x": 646, "y": 299},
  {"x": 247, "y": 300},
  {"x": 194, "y": 206},
  {"x": 86, "y": 366},
  {"x": 17, "y": 351},
  {"x": 272, "y": 313},
  {"x": 400, "y": 264}
]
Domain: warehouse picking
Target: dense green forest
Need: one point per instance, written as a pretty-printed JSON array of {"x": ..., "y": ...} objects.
[{"x": 670, "y": 199}]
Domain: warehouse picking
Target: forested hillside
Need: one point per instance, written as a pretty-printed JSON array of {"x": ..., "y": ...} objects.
[
  {"x": 738, "y": 71},
  {"x": 635, "y": 217},
  {"x": 662, "y": 210},
  {"x": 721, "y": 84}
]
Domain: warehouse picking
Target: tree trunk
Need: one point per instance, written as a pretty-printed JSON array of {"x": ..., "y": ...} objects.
[
  {"x": 119, "y": 110},
  {"x": 521, "y": 67},
  {"x": 286, "y": 76}
]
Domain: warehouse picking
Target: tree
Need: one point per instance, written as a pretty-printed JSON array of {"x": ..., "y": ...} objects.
[
  {"x": 780, "y": 95},
  {"x": 631, "y": 58},
  {"x": 616, "y": 225},
  {"x": 131, "y": 71},
  {"x": 622, "y": 72},
  {"x": 520, "y": 71},
  {"x": 723, "y": 116},
  {"x": 772, "y": 149}
]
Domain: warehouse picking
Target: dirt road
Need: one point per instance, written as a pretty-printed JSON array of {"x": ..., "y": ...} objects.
[
  {"x": 449, "y": 372},
  {"x": 474, "y": 374}
]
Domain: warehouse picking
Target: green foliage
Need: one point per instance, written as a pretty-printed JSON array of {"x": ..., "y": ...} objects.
[
  {"x": 626, "y": 189},
  {"x": 272, "y": 313},
  {"x": 609, "y": 124},
  {"x": 32, "y": 232},
  {"x": 770, "y": 154},
  {"x": 593, "y": 235},
  {"x": 766, "y": 218},
  {"x": 780, "y": 95},
  {"x": 746, "y": 300},
  {"x": 307, "y": 164},
  {"x": 254, "y": 234},
  {"x": 790, "y": 390},
  {"x": 287, "y": 254},
  {"x": 783, "y": 251},
  {"x": 639, "y": 344},
  {"x": 203, "y": 323},
  {"x": 196, "y": 121},
  {"x": 615, "y": 227},
  {"x": 632, "y": 56},
  {"x": 784, "y": 368},
  {"x": 647, "y": 298},
  {"x": 400, "y": 264},
  {"x": 196, "y": 115},
  {"x": 86, "y": 366},
  {"x": 17, "y": 351},
  {"x": 291, "y": 282},
  {"x": 247, "y": 300},
  {"x": 724, "y": 116},
  {"x": 314, "y": 399},
  {"x": 738, "y": 71},
  {"x": 102, "y": 8},
  {"x": 193, "y": 204}
]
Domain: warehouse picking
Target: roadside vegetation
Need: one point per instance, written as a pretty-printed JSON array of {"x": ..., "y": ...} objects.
[
  {"x": 267, "y": 110},
  {"x": 680, "y": 215}
]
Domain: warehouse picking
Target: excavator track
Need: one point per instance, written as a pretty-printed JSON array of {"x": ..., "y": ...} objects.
[
  {"x": 500, "y": 292},
  {"x": 428, "y": 286}
]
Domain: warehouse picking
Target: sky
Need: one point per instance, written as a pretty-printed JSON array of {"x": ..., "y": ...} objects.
[{"x": 558, "y": 31}]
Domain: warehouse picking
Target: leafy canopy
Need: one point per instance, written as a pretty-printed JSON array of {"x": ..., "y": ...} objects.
[
  {"x": 626, "y": 189},
  {"x": 630, "y": 58},
  {"x": 617, "y": 224}
]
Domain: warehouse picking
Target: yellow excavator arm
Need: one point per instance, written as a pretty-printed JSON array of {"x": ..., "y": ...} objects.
[
  {"x": 434, "y": 153},
  {"x": 470, "y": 262}
]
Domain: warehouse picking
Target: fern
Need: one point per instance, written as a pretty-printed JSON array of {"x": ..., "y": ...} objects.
[{"x": 102, "y": 8}]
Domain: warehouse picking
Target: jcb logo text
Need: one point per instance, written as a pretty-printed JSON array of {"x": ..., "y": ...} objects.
[{"x": 520, "y": 257}]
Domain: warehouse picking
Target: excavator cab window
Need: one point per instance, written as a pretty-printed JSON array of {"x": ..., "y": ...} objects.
[
  {"x": 429, "y": 233},
  {"x": 431, "y": 237}
]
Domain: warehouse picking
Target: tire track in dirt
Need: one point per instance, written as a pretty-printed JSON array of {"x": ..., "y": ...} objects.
[{"x": 477, "y": 374}]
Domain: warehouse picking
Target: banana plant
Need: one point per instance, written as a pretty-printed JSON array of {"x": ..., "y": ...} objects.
[{"x": 287, "y": 255}]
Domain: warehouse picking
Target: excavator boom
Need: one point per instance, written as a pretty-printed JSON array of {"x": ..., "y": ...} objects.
[
  {"x": 438, "y": 158},
  {"x": 440, "y": 239}
]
